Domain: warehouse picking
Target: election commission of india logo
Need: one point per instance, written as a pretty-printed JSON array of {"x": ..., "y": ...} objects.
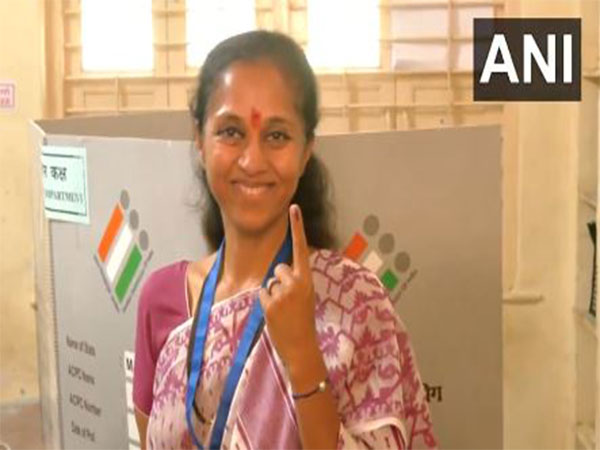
[
  {"x": 123, "y": 252},
  {"x": 376, "y": 250}
]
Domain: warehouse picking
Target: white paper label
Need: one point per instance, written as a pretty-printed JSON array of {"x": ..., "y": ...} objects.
[{"x": 65, "y": 183}]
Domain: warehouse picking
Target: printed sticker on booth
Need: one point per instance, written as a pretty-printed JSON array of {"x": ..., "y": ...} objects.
[{"x": 64, "y": 174}]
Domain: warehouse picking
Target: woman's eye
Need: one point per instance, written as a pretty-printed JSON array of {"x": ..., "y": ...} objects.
[
  {"x": 279, "y": 136},
  {"x": 230, "y": 132}
]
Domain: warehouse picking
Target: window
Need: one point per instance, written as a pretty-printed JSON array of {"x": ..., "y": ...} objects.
[
  {"x": 343, "y": 33},
  {"x": 116, "y": 35},
  {"x": 420, "y": 36},
  {"x": 209, "y": 22}
]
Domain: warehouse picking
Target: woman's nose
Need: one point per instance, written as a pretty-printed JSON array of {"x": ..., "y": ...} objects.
[{"x": 253, "y": 159}]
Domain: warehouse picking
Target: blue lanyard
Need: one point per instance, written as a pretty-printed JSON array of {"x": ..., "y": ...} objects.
[{"x": 255, "y": 320}]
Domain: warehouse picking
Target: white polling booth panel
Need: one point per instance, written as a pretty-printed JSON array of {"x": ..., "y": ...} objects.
[{"x": 421, "y": 209}]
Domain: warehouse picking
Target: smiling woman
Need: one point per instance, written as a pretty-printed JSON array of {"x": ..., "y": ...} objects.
[
  {"x": 253, "y": 146},
  {"x": 274, "y": 340}
]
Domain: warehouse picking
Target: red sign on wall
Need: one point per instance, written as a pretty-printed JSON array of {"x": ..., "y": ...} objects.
[{"x": 7, "y": 95}]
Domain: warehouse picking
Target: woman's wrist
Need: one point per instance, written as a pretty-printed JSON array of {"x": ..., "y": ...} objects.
[{"x": 307, "y": 369}]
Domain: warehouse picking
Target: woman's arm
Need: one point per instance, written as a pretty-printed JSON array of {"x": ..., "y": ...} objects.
[
  {"x": 141, "y": 420},
  {"x": 289, "y": 309},
  {"x": 317, "y": 414},
  {"x": 318, "y": 418}
]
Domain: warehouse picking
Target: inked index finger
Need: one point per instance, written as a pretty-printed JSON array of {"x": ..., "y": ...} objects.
[{"x": 299, "y": 244}]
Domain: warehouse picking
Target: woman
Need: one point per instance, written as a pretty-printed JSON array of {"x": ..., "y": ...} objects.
[{"x": 328, "y": 364}]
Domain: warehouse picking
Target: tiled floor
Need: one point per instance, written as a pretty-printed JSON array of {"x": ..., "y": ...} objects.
[{"x": 21, "y": 427}]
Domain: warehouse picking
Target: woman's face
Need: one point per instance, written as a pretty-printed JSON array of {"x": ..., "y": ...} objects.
[{"x": 253, "y": 145}]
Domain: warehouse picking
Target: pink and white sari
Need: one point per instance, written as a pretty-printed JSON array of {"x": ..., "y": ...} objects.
[{"x": 366, "y": 348}]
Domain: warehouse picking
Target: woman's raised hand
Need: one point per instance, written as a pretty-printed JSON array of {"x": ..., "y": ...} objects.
[{"x": 288, "y": 302}]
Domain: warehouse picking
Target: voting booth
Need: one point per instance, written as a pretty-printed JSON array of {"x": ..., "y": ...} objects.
[{"x": 116, "y": 198}]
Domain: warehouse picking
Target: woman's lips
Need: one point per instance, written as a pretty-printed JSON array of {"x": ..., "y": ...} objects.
[{"x": 252, "y": 189}]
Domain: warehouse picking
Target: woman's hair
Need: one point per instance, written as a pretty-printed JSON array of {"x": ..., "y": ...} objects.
[{"x": 313, "y": 191}]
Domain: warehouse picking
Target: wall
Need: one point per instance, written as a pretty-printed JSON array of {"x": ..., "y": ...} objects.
[
  {"x": 539, "y": 360},
  {"x": 21, "y": 60}
]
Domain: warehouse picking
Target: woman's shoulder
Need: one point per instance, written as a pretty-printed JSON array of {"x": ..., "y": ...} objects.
[
  {"x": 335, "y": 272},
  {"x": 338, "y": 266},
  {"x": 165, "y": 276},
  {"x": 164, "y": 286}
]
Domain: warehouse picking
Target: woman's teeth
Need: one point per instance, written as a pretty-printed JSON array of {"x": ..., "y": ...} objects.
[{"x": 252, "y": 190}]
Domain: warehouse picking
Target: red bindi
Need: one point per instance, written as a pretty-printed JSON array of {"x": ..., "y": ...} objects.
[{"x": 255, "y": 118}]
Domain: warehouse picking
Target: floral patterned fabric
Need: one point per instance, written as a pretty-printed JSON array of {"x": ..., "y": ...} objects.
[{"x": 365, "y": 346}]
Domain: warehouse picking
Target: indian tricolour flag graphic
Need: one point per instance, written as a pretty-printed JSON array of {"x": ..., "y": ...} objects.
[
  {"x": 377, "y": 251},
  {"x": 122, "y": 253}
]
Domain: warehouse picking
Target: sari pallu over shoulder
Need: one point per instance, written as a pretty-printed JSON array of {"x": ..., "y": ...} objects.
[{"x": 371, "y": 365}]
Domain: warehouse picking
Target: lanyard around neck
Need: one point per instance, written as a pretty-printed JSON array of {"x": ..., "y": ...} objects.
[{"x": 251, "y": 329}]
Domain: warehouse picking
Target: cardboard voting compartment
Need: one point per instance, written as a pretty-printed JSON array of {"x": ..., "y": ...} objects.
[{"x": 424, "y": 205}]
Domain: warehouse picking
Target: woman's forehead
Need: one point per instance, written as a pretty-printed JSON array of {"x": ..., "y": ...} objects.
[
  {"x": 254, "y": 115},
  {"x": 252, "y": 90}
]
